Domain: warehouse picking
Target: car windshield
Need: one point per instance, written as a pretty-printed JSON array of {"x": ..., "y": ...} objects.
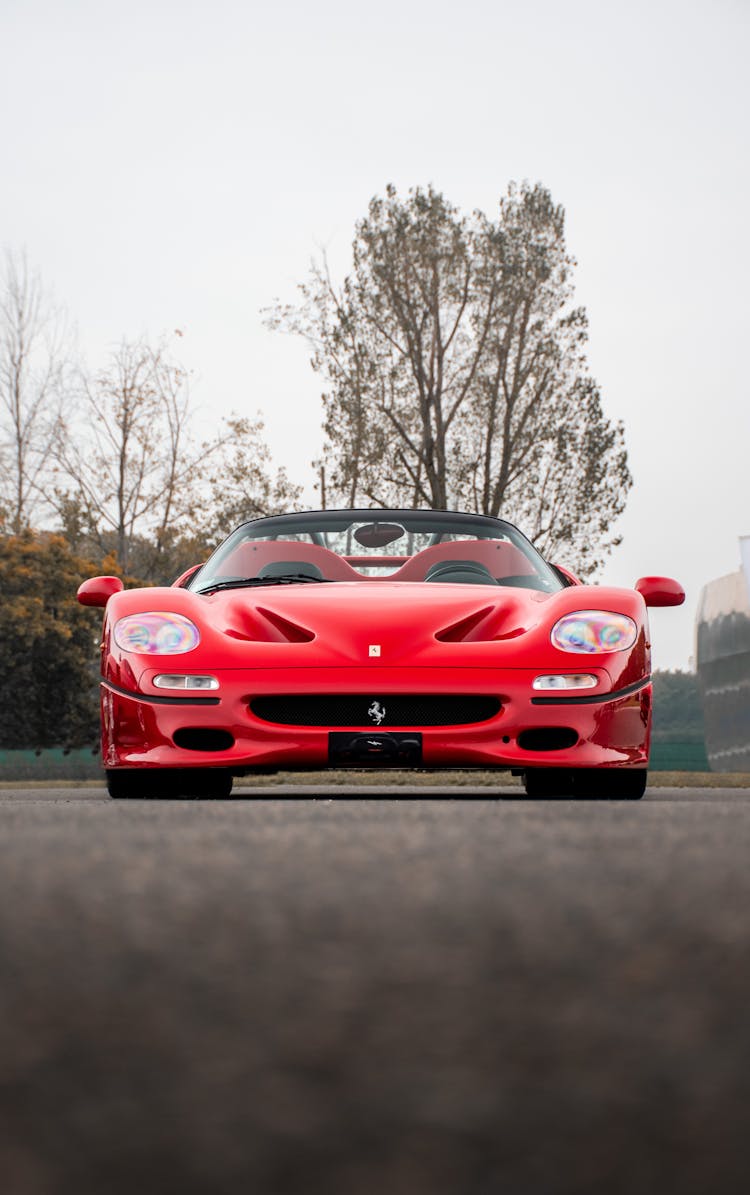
[{"x": 380, "y": 545}]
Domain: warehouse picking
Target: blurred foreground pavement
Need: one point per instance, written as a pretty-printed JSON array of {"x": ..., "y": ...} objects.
[{"x": 448, "y": 997}]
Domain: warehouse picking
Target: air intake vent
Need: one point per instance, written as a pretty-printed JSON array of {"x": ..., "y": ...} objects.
[
  {"x": 203, "y": 738},
  {"x": 547, "y": 738},
  {"x": 375, "y": 709}
]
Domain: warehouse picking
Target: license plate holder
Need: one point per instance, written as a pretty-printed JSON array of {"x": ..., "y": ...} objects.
[{"x": 377, "y": 749}]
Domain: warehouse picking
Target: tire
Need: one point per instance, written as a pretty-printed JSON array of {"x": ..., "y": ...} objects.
[
  {"x": 211, "y": 784},
  {"x": 610, "y": 784},
  {"x": 169, "y": 783},
  {"x": 587, "y": 784},
  {"x": 138, "y": 784},
  {"x": 548, "y": 783}
]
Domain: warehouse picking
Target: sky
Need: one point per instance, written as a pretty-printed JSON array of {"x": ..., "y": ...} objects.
[{"x": 176, "y": 165}]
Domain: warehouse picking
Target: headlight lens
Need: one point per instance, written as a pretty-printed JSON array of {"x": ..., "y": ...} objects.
[
  {"x": 157, "y": 633},
  {"x": 588, "y": 631}
]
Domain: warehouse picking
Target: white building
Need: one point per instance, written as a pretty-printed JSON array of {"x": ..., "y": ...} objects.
[{"x": 722, "y": 655}]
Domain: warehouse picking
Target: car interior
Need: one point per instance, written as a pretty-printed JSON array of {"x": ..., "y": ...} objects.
[{"x": 466, "y": 562}]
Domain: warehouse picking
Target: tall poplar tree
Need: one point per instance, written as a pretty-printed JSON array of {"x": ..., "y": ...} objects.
[{"x": 454, "y": 370}]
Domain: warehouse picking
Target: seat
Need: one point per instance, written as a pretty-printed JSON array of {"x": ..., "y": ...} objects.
[
  {"x": 460, "y": 572},
  {"x": 499, "y": 557},
  {"x": 250, "y": 557},
  {"x": 286, "y": 568}
]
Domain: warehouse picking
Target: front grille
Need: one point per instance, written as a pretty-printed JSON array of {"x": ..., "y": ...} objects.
[{"x": 356, "y": 710}]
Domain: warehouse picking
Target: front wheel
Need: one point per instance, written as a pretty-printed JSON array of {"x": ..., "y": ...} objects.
[
  {"x": 140, "y": 784},
  {"x": 209, "y": 783},
  {"x": 589, "y": 784},
  {"x": 169, "y": 783},
  {"x": 610, "y": 784},
  {"x": 548, "y": 783}
]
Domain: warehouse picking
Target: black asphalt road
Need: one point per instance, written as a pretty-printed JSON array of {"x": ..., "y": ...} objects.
[{"x": 374, "y": 996}]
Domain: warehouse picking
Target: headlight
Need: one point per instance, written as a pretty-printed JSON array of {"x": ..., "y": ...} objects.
[
  {"x": 156, "y": 634},
  {"x": 588, "y": 631}
]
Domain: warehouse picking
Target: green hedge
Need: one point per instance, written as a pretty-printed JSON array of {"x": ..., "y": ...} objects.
[
  {"x": 51, "y": 765},
  {"x": 679, "y": 755}
]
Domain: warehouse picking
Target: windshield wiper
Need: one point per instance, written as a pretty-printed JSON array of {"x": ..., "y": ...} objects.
[{"x": 251, "y": 582}]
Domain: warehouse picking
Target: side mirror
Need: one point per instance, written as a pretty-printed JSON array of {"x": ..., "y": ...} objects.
[
  {"x": 98, "y": 590},
  {"x": 660, "y": 591}
]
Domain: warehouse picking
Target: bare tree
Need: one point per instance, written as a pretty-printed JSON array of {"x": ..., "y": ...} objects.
[
  {"x": 455, "y": 371},
  {"x": 131, "y": 472},
  {"x": 34, "y": 356}
]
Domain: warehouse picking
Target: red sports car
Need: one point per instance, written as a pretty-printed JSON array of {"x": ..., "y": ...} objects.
[{"x": 376, "y": 638}]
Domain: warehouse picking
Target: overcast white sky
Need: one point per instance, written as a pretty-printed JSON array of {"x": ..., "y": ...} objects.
[{"x": 175, "y": 165}]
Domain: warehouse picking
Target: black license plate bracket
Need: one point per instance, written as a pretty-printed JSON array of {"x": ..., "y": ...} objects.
[{"x": 361, "y": 748}]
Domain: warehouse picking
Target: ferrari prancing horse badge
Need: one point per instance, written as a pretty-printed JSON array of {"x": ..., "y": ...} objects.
[{"x": 376, "y": 712}]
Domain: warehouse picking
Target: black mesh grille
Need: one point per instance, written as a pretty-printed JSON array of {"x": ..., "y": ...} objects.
[{"x": 354, "y": 710}]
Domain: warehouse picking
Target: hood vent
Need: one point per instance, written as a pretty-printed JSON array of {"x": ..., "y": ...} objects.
[
  {"x": 259, "y": 625},
  {"x": 285, "y": 631},
  {"x": 466, "y": 629},
  {"x": 488, "y": 625}
]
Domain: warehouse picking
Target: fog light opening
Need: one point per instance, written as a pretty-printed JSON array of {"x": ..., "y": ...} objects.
[
  {"x": 547, "y": 738},
  {"x": 203, "y": 738}
]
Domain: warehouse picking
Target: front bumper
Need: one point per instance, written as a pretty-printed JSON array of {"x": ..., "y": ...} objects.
[{"x": 612, "y": 729}]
